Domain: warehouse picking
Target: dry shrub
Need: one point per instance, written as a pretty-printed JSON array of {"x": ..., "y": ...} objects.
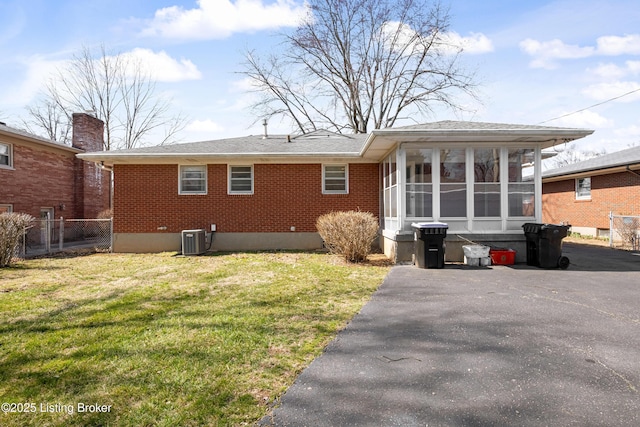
[
  {"x": 105, "y": 214},
  {"x": 12, "y": 228},
  {"x": 349, "y": 234}
]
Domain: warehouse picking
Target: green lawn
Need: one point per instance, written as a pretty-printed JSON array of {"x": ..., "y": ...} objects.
[{"x": 164, "y": 340}]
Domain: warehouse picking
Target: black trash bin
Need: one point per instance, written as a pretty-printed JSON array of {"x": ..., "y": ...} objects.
[
  {"x": 429, "y": 244},
  {"x": 544, "y": 245}
]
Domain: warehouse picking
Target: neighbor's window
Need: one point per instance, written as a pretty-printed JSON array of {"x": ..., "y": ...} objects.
[
  {"x": 240, "y": 179},
  {"x": 6, "y": 208},
  {"x": 6, "y": 159},
  {"x": 453, "y": 187},
  {"x": 193, "y": 179},
  {"x": 583, "y": 188},
  {"x": 335, "y": 179},
  {"x": 521, "y": 186}
]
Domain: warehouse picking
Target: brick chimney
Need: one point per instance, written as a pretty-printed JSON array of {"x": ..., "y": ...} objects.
[{"x": 92, "y": 183}]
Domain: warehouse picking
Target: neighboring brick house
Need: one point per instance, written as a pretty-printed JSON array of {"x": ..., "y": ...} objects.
[
  {"x": 266, "y": 192},
  {"x": 46, "y": 179},
  {"x": 584, "y": 193}
]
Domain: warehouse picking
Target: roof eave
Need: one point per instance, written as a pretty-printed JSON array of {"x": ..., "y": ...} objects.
[{"x": 110, "y": 159}]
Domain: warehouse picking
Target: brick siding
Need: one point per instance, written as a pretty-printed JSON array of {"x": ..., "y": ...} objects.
[
  {"x": 44, "y": 176},
  {"x": 146, "y": 198},
  {"x": 41, "y": 178},
  {"x": 617, "y": 192}
]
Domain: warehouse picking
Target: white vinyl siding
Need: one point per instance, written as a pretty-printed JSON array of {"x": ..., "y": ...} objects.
[
  {"x": 193, "y": 179},
  {"x": 240, "y": 179},
  {"x": 335, "y": 179}
]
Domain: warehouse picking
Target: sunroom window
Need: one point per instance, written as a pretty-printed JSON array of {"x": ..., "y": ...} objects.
[
  {"x": 521, "y": 186},
  {"x": 419, "y": 183},
  {"x": 453, "y": 187},
  {"x": 486, "y": 187}
]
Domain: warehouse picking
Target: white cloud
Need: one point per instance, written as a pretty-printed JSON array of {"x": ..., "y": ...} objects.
[
  {"x": 584, "y": 119},
  {"x": 37, "y": 73},
  {"x": 163, "y": 67},
  {"x": 545, "y": 52},
  {"x": 217, "y": 19},
  {"x": 615, "y": 45},
  {"x": 612, "y": 71},
  {"x": 476, "y": 43},
  {"x": 632, "y": 131},
  {"x": 605, "y": 91},
  {"x": 448, "y": 43},
  {"x": 204, "y": 126}
]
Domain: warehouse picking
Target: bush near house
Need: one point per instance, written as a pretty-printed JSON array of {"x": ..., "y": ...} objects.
[
  {"x": 349, "y": 234},
  {"x": 12, "y": 228}
]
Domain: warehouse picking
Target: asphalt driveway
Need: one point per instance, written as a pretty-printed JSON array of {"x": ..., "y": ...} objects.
[{"x": 497, "y": 346}]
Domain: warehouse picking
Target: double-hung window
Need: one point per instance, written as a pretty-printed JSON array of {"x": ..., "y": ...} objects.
[
  {"x": 335, "y": 179},
  {"x": 193, "y": 179},
  {"x": 240, "y": 179},
  {"x": 5, "y": 208},
  {"x": 583, "y": 188},
  {"x": 6, "y": 158}
]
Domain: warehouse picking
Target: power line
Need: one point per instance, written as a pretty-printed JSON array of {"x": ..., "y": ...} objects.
[{"x": 592, "y": 106}]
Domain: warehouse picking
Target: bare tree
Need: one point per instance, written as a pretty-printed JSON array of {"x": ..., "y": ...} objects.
[
  {"x": 352, "y": 65},
  {"x": 117, "y": 89},
  {"x": 572, "y": 155},
  {"x": 49, "y": 117}
]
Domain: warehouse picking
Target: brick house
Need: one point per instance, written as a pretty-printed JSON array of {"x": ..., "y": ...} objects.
[
  {"x": 584, "y": 193},
  {"x": 46, "y": 179},
  {"x": 266, "y": 191}
]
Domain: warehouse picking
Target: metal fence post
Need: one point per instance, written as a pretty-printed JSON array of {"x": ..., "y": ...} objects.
[
  {"x": 61, "y": 235},
  {"x": 610, "y": 229}
]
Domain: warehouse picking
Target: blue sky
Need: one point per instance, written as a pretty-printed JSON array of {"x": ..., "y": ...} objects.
[{"x": 536, "y": 60}]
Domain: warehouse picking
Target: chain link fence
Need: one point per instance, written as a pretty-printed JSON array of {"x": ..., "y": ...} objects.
[
  {"x": 624, "y": 232},
  {"x": 61, "y": 235}
]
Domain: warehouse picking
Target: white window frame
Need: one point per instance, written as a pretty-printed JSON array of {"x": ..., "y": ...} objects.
[
  {"x": 6, "y": 208},
  {"x": 10, "y": 155},
  {"x": 205, "y": 179},
  {"x": 230, "y": 179},
  {"x": 578, "y": 195},
  {"x": 346, "y": 178}
]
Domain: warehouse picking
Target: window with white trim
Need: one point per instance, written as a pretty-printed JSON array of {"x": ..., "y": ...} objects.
[
  {"x": 240, "y": 179},
  {"x": 335, "y": 179},
  {"x": 6, "y": 156},
  {"x": 193, "y": 179},
  {"x": 583, "y": 188},
  {"x": 5, "y": 208}
]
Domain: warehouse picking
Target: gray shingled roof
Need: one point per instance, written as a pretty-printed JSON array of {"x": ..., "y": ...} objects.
[
  {"x": 313, "y": 143},
  {"x": 19, "y": 133},
  {"x": 325, "y": 144},
  {"x": 630, "y": 156}
]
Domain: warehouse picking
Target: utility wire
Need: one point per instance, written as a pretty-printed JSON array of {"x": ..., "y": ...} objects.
[{"x": 591, "y": 106}]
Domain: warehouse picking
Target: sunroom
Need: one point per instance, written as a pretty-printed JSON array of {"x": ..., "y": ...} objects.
[{"x": 482, "y": 179}]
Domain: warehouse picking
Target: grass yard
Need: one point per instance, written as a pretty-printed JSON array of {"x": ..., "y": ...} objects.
[{"x": 123, "y": 340}]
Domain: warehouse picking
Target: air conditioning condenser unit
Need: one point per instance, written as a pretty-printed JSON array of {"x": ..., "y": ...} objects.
[{"x": 193, "y": 242}]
